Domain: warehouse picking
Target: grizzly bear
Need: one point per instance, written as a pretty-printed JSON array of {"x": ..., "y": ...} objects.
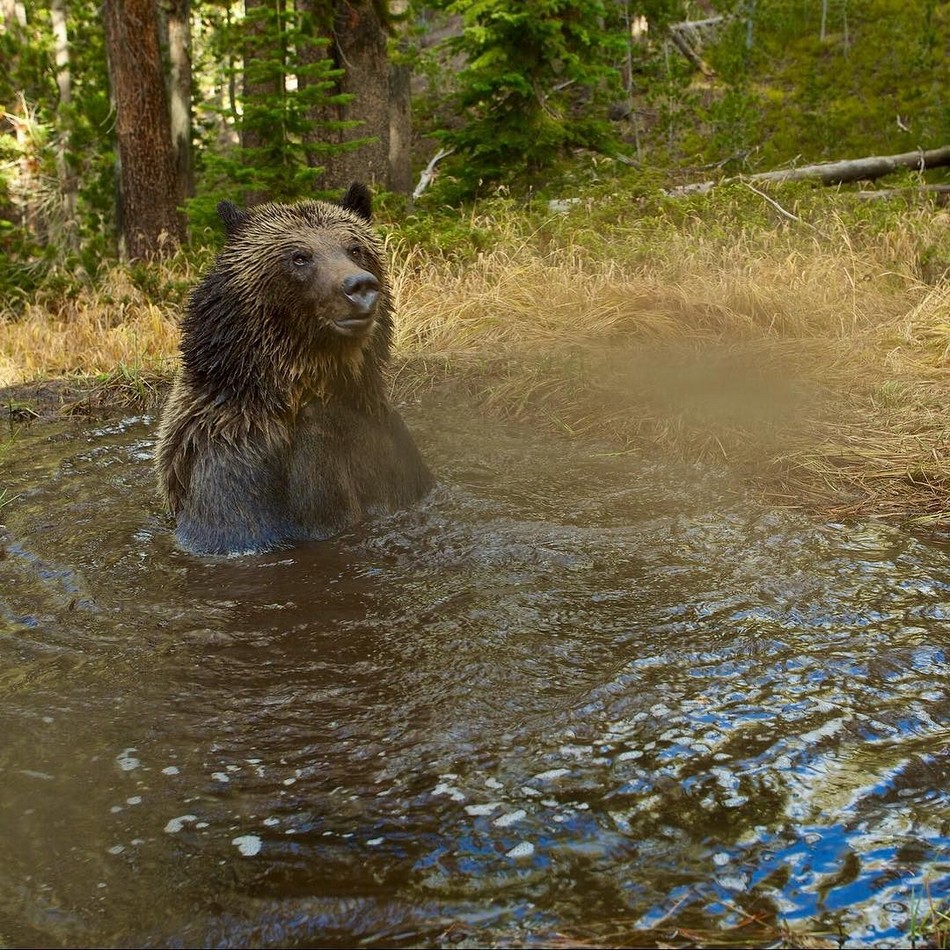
[{"x": 278, "y": 428}]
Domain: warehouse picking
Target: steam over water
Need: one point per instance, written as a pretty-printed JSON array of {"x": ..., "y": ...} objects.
[{"x": 572, "y": 693}]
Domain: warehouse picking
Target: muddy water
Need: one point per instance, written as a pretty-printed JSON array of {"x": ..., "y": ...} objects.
[{"x": 573, "y": 693}]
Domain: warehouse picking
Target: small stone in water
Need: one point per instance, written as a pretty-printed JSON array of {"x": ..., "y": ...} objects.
[
  {"x": 523, "y": 850},
  {"x": 248, "y": 845}
]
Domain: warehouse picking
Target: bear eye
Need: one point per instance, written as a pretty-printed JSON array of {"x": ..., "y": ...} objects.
[
  {"x": 301, "y": 258},
  {"x": 356, "y": 252}
]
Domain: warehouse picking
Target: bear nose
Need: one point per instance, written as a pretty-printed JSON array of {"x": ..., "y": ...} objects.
[{"x": 362, "y": 291}]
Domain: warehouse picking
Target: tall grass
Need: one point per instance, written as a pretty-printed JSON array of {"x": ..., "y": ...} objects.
[
  {"x": 91, "y": 328},
  {"x": 547, "y": 281},
  {"x": 583, "y": 279}
]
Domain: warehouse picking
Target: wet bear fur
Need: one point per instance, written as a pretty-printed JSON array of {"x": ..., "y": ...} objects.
[{"x": 278, "y": 428}]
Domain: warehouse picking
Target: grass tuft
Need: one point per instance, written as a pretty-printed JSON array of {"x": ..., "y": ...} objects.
[{"x": 929, "y": 923}]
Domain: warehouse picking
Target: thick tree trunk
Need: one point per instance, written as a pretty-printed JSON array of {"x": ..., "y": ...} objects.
[
  {"x": 361, "y": 51},
  {"x": 359, "y": 47},
  {"x": 837, "y": 173},
  {"x": 150, "y": 223},
  {"x": 178, "y": 29}
]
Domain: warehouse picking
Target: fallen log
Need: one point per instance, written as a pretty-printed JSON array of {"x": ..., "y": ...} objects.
[
  {"x": 686, "y": 37},
  {"x": 834, "y": 173}
]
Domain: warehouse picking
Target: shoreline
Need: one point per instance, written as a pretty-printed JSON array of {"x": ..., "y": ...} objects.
[{"x": 799, "y": 438}]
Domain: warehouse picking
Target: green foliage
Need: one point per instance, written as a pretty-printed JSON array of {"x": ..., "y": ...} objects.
[
  {"x": 55, "y": 141},
  {"x": 279, "y": 117},
  {"x": 523, "y": 101},
  {"x": 877, "y": 83},
  {"x": 929, "y": 920},
  {"x": 537, "y": 78},
  {"x": 626, "y": 215}
]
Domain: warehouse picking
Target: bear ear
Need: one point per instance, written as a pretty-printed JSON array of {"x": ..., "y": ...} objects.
[
  {"x": 358, "y": 200},
  {"x": 232, "y": 216}
]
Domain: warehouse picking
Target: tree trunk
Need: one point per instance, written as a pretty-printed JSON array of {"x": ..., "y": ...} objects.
[
  {"x": 178, "y": 27},
  {"x": 361, "y": 50},
  {"x": 67, "y": 177},
  {"x": 150, "y": 224},
  {"x": 358, "y": 47},
  {"x": 61, "y": 50},
  {"x": 400, "y": 130},
  {"x": 837, "y": 173},
  {"x": 400, "y": 111}
]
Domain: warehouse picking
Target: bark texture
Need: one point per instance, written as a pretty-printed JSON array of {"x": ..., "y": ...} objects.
[
  {"x": 837, "y": 173},
  {"x": 150, "y": 224},
  {"x": 376, "y": 148},
  {"x": 178, "y": 26}
]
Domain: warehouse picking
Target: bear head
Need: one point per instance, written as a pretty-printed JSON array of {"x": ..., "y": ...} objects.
[
  {"x": 299, "y": 291},
  {"x": 317, "y": 266}
]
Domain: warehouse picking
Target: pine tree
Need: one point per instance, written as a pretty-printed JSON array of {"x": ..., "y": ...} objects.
[{"x": 280, "y": 91}]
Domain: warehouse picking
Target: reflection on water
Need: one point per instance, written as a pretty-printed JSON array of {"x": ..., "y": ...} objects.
[{"x": 572, "y": 693}]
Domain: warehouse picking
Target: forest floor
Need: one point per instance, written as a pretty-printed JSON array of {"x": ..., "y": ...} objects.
[{"x": 813, "y": 357}]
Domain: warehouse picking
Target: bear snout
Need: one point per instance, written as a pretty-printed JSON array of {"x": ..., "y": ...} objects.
[{"x": 362, "y": 291}]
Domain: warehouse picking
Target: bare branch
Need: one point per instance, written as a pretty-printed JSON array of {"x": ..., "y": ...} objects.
[
  {"x": 782, "y": 211},
  {"x": 429, "y": 172}
]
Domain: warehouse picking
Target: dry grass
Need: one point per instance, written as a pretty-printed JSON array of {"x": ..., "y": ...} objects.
[
  {"x": 91, "y": 332},
  {"x": 516, "y": 297},
  {"x": 811, "y": 356},
  {"x": 819, "y": 363}
]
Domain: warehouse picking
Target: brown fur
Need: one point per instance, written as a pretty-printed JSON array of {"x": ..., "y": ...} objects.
[{"x": 278, "y": 428}]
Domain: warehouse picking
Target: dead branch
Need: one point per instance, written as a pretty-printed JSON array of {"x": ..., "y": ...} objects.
[
  {"x": 428, "y": 173},
  {"x": 782, "y": 211},
  {"x": 687, "y": 38}
]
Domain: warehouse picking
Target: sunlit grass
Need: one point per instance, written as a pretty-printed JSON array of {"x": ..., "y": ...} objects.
[
  {"x": 92, "y": 330},
  {"x": 692, "y": 282}
]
